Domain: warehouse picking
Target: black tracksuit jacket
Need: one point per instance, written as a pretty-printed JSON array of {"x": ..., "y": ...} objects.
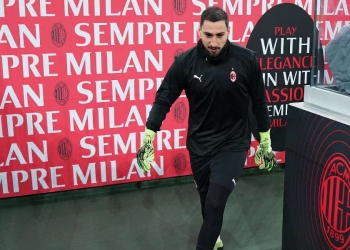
[{"x": 218, "y": 117}]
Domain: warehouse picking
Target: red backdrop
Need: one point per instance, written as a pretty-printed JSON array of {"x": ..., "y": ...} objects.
[{"x": 78, "y": 78}]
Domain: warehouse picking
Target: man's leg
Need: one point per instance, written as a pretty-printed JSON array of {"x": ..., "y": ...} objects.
[
  {"x": 201, "y": 172},
  {"x": 225, "y": 170},
  {"x": 203, "y": 198},
  {"x": 214, "y": 211}
]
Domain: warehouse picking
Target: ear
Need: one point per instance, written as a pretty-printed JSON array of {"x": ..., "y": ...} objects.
[{"x": 199, "y": 32}]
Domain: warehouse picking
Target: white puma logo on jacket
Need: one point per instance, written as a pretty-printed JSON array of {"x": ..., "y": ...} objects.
[{"x": 198, "y": 77}]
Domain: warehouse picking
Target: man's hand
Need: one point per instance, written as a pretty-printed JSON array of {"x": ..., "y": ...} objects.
[
  {"x": 145, "y": 155},
  {"x": 264, "y": 155}
]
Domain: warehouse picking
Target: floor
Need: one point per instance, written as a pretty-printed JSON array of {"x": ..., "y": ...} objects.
[{"x": 153, "y": 218}]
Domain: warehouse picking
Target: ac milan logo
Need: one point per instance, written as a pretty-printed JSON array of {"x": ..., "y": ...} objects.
[
  {"x": 58, "y": 34},
  {"x": 61, "y": 93},
  {"x": 180, "y": 163},
  {"x": 179, "y": 6},
  {"x": 335, "y": 201},
  {"x": 233, "y": 76},
  {"x": 180, "y": 112},
  {"x": 65, "y": 149},
  {"x": 178, "y": 52}
]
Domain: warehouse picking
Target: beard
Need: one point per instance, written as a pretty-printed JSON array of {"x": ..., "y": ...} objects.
[{"x": 213, "y": 52}]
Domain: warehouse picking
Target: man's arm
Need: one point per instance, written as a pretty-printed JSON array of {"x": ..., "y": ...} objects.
[
  {"x": 264, "y": 155},
  {"x": 166, "y": 95},
  {"x": 258, "y": 97}
]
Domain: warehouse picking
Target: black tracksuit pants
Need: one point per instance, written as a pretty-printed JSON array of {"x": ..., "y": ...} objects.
[{"x": 215, "y": 177}]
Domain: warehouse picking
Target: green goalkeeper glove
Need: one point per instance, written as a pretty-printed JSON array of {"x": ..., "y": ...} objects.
[
  {"x": 145, "y": 155},
  {"x": 264, "y": 155}
]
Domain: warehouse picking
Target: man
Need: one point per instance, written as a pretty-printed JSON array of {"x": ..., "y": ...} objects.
[{"x": 219, "y": 78}]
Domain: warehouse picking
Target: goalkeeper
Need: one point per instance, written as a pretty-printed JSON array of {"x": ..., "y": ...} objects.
[{"x": 218, "y": 77}]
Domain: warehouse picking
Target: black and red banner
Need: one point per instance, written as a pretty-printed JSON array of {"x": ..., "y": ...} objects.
[
  {"x": 284, "y": 50},
  {"x": 316, "y": 212}
]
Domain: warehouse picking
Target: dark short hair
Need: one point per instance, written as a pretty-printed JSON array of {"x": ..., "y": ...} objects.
[{"x": 214, "y": 14}]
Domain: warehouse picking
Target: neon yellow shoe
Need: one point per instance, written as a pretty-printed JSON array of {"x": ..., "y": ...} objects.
[{"x": 219, "y": 245}]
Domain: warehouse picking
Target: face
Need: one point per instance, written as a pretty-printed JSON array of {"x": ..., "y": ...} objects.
[{"x": 214, "y": 36}]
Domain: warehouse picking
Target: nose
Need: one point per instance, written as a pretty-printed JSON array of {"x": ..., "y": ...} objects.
[{"x": 213, "y": 41}]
